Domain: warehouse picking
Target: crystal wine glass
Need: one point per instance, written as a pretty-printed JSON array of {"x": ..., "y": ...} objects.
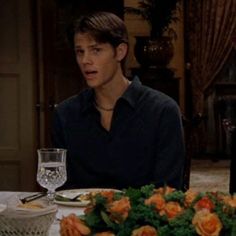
[{"x": 51, "y": 172}]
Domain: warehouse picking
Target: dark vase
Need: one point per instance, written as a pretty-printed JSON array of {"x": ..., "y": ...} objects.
[{"x": 153, "y": 52}]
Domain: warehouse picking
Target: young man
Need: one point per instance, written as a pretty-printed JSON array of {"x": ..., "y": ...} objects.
[{"x": 118, "y": 133}]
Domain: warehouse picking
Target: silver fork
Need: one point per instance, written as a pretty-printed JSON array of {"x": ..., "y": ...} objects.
[{"x": 75, "y": 198}]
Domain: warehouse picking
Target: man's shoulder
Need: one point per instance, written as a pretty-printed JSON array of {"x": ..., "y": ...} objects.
[
  {"x": 157, "y": 97},
  {"x": 69, "y": 101},
  {"x": 149, "y": 95},
  {"x": 73, "y": 102}
]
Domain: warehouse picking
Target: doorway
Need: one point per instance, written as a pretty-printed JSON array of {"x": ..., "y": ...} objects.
[{"x": 17, "y": 97}]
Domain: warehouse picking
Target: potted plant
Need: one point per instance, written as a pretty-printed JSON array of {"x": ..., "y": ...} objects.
[{"x": 158, "y": 46}]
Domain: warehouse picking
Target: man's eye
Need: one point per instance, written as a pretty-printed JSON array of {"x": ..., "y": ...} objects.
[
  {"x": 79, "y": 52},
  {"x": 96, "y": 50}
]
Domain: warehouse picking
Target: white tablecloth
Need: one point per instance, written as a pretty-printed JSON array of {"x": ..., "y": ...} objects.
[{"x": 62, "y": 210}]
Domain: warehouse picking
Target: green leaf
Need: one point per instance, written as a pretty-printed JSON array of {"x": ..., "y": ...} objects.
[
  {"x": 233, "y": 231},
  {"x": 177, "y": 196},
  {"x": 92, "y": 219},
  {"x": 147, "y": 190},
  {"x": 106, "y": 219}
]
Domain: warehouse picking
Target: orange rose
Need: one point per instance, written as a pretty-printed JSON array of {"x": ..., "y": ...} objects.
[
  {"x": 190, "y": 195},
  {"x": 108, "y": 195},
  {"x": 207, "y": 223},
  {"x": 71, "y": 225},
  {"x": 230, "y": 200},
  {"x": 108, "y": 233},
  {"x": 120, "y": 209},
  {"x": 220, "y": 196},
  {"x": 204, "y": 203},
  {"x": 172, "y": 209},
  {"x": 157, "y": 200},
  {"x": 146, "y": 230},
  {"x": 164, "y": 190}
]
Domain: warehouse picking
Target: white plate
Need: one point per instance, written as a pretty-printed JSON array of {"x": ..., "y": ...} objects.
[{"x": 74, "y": 192}]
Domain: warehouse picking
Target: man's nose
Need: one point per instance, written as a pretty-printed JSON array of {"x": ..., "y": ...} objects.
[{"x": 86, "y": 58}]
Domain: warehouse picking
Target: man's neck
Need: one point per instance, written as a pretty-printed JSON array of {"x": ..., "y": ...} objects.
[{"x": 108, "y": 95}]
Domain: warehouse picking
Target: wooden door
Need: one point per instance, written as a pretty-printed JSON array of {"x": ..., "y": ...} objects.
[{"x": 17, "y": 97}]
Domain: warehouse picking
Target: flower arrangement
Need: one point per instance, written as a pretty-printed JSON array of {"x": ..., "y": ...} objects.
[{"x": 155, "y": 212}]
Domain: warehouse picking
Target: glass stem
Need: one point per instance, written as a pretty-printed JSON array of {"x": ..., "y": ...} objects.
[{"x": 51, "y": 196}]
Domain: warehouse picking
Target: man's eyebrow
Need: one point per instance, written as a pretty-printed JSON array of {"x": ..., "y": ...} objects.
[
  {"x": 90, "y": 46},
  {"x": 94, "y": 45},
  {"x": 77, "y": 47}
]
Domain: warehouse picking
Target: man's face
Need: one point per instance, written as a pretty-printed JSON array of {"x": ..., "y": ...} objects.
[{"x": 98, "y": 61}]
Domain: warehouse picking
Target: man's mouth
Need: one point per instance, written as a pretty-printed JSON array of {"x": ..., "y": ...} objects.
[{"x": 90, "y": 72}]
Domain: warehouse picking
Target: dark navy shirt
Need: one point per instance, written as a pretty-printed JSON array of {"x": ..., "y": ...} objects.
[{"x": 144, "y": 145}]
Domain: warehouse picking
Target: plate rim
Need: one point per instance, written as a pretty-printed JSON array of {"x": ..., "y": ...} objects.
[{"x": 78, "y": 190}]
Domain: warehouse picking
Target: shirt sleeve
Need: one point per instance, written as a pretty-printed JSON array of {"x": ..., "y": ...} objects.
[{"x": 170, "y": 152}]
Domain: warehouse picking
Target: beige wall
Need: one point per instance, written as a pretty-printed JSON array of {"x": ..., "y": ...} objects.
[{"x": 138, "y": 27}]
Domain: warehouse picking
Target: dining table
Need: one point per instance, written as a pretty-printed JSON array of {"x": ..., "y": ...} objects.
[{"x": 62, "y": 209}]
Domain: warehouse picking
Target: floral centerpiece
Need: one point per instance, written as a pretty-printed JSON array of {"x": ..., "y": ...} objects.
[{"x": 155, "y": 212}]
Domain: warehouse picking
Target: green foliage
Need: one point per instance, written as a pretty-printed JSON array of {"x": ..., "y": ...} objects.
[
  {"x": 147, "y": 190},
  {"x": 100, "y": 201},
  {"x": 181, "y": 231},
  {"x": 107, "y": 220},
  {"x": 142, "y": 214},
  {"x": 225, "y": 219},
  {"x": 93, "y": 219},
  {"x": 184, "y": 220},
  {"x": 176, "y": 196},
  {"x": 233, "y": 231},
  {"x": 134, "y": 195},
  {"x": 138, "y": 195}
]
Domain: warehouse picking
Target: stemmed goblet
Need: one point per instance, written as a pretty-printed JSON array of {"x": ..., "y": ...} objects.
[{"x": 51, "y": 172}]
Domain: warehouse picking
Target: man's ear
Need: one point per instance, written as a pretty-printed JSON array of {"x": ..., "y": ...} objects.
[{"x": 121, "y": 51}]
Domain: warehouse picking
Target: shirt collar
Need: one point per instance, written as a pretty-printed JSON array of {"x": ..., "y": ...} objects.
[
  {"x": 131, "y": 95},
  {"x": 133, "y": 92}
]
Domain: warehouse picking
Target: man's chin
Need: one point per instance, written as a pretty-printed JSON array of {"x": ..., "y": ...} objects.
[{"x": 91, "y": 84}]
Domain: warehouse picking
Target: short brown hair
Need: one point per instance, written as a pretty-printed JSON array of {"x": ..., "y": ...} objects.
[{"x": 104, "y": 27}]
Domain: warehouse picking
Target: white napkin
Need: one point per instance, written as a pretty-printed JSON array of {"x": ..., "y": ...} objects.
[
  {"x": 3, "y": 207},
  {"x": 13, "y": 208}
]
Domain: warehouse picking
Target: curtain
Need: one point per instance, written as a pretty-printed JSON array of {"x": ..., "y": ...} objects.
[{"x": 211, "y": 27}]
